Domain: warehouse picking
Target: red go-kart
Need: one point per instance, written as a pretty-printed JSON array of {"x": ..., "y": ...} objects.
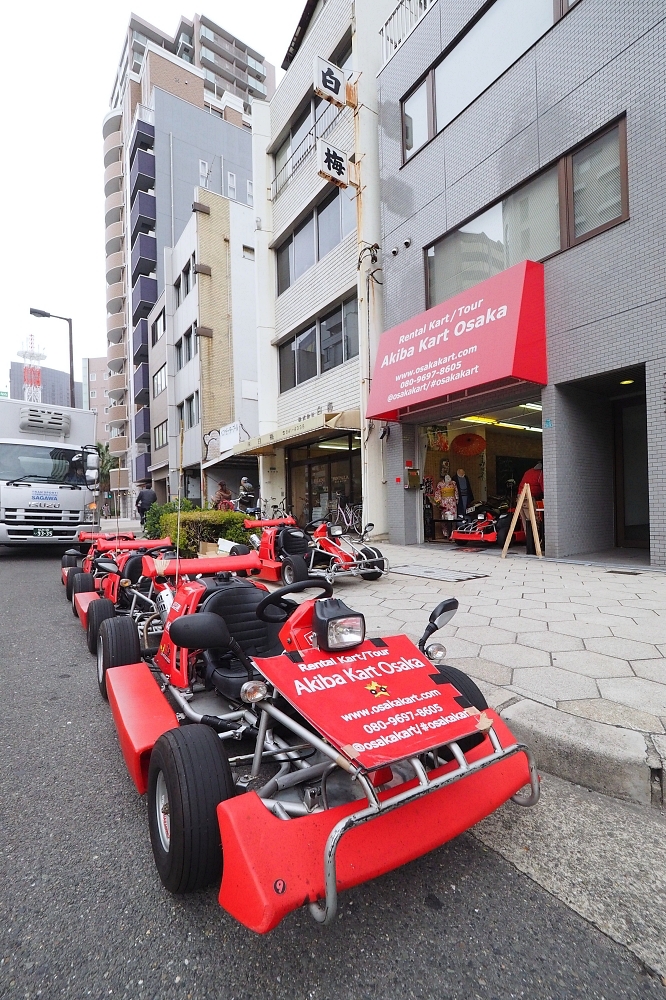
[
  {"x": 333, "y": 554},
  {"x": 279, "y": 737},
  {"x": 487, "y": 523},
  {"x": 283, "y": 549}
]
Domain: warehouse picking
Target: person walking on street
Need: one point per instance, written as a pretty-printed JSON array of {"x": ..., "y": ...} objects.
[{"x": 145, "y": 499}]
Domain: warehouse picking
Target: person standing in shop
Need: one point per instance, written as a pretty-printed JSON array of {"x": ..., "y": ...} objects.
[
  {"x": 465, "y": 495},
  {"x": 446, "y": 495},
  {"x": 534, "y": 478}
]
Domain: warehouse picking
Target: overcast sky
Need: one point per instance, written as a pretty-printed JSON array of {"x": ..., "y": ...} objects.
[{"x": 57, "y": 78}]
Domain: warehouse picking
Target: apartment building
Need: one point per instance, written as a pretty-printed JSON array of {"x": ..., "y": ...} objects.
[
  {"x": 318, "y": 265},
  {"x": 202, "y": 384},
  {"x": 525, "y": 207},
  {"x": 181, "y": 112},
  {"x": 96, "y": 395}
]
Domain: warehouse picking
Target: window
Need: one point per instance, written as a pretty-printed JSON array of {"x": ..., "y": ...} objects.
[
  {"x": 93, "y": 393},
  {"x": 333, "y": 220},
  {"x": 231, "y": 185},
  {"x": 180, "y": 413},
  {"x": 106, "y": 409},
  {"x": 176, "y": 293},
  {"x": 494, "y": 42},
  {"x": 248, "y": 252},
  {"x": 583, "y": 194},
  {"x": 107, "y": 427},
  {"x": 187, "y": 347},
  {"x": 159, "y": 381},
  {"x": 185, "y": 281},
  {"x": 92, "y": 377},
  {"x": 193, "y": 270},
  {"x": 195, "y": 340},
  {"x": 160, "y": 435},
  {"x": 325, "y": 344},
  {"x": 192, "y": 411},
  {"x": 106, "y": 375},
  {"x": 203, "y": 165},
  {"x": 250, "y": 193},
  {"x": 179, "y": 355},
  {"x": 158, "y": 328},
  {"x": 106, "y": 392}
]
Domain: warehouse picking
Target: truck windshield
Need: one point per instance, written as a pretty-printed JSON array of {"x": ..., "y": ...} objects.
[{"x": 44, "y": 465}]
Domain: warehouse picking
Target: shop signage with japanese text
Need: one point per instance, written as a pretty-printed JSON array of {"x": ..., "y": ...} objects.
[
  {"x": 332, "y": 163},
  {"x": 329, "y": 82}
]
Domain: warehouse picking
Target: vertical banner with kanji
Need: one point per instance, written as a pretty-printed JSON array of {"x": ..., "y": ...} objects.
[{"x": 332, "y": 163}]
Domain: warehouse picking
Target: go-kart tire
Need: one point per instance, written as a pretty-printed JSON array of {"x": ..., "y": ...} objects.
[
  {"x": 84, "y": 583},
  {"x": 68, "y": 561},
  {"x": 240, "y": 550},
  {"x": 117, "y": 644},
  {"x": 98, "y": 612},
  {"x": 71, "y": 573},
  {"x": 371, "y": 553},
  {"x": 465, "y": 685},
  {"x": 294, "y": 569},
  {"x": 189, "y": 773},
  {"x": 460, "y": 541}
]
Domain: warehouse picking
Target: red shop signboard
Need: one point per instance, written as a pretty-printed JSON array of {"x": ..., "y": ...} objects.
[{"x": 493, "y": 331}]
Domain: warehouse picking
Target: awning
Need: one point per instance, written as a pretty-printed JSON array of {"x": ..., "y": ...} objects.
[
  {"x": 492, "y": 332},
  {"x": 160, "y": 465},
  {"x": 305, "y": 430}
]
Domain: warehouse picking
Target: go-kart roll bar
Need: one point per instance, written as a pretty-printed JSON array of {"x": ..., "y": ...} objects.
[{"x": 325, "y": 913}]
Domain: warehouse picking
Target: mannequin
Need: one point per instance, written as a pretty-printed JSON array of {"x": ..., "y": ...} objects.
[
  {"x": 465, "y": 495},
  {"x": 446, "y": 495}
]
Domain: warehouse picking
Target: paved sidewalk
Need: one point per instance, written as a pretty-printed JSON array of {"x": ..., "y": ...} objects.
[{"x": 572, "y": 655}]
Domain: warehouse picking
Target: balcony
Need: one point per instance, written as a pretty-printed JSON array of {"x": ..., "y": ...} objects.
[
  {"x": 143, "y": 214},
  {"x": 113, "y": 177},
  {"x": 141, "y": 385},
  {"x": 113, "y": 237},
  {"x": 117, "y": 386},
  {"x": 117, "y": 415},
  {"x": 400, "y": 24},
  {"x": 118, "y": 445},
  {"x": 115, "y": 357},
  {"x": 113, "y": 148},
  {"x": 115, "y": 327},
  {"x": 115, "y": 297},
  {"x": 144, "y": 297},
  {"x": 143, "y": 137},
  {"x": 141, "y": 463},
  {"x": 140, "y": 342},
  {"x": 142, "y": 424},
  {"x": 113, "y": 207},
  {"x": 144, "y": 256},
  {"x": 115, "y": 265},
  {"x": 142, "y": 172}
]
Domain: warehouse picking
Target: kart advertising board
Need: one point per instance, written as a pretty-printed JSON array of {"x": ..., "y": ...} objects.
[
  {"x": 375, "y": 703},
  {"x": 493, "y": 331}
]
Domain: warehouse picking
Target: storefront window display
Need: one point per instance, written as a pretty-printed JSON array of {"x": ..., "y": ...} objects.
[{"x": 323, "y": 473}]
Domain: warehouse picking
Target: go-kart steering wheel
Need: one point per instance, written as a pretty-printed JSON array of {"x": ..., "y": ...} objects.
[{"x": 276, "y": 599}]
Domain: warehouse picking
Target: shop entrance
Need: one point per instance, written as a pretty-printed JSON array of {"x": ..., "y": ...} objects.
[
  {"x": 486, "y": 453},
  {"x": 321, "y": 474},
  {"x": 632, "y": 511}
]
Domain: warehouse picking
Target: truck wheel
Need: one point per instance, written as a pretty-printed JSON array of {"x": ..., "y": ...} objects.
[
  {"x": 189, "y": 776},
  {"x": 71, "y": 573},
  {"x": 84, "y": 583},
  {"x": 294, "y": 568},
  {"x": 117, "y": 645},
  {"x": 377, "y": 560},
  {"x": 98, "y": 612}
]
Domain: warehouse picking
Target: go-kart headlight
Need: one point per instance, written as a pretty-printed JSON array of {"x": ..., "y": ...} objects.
[
  {"x": 336, "y": 625},
  {"x": 253, "y": 691},
  {"x": 436, "y": 652}
]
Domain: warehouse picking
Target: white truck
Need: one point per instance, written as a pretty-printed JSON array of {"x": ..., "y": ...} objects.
[{"x": 48, "y": 473}]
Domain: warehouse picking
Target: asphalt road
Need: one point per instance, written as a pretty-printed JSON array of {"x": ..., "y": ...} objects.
[{"x": 82, "y": 912}]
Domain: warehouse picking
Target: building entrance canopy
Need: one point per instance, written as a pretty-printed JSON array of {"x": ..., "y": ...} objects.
[{"x": 493, "y": 332}]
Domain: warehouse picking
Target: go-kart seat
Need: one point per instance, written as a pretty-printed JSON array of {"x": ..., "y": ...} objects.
[
  {"x": 236, "y": 601},
  {"x": 133, "y": 568},
  {"x": 292, "y": 542}
]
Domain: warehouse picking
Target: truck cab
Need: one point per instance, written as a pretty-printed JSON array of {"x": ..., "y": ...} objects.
[{"x": 48, "y": 473}]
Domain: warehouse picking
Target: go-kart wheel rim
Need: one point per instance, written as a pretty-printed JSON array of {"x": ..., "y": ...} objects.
[
  {"x": 100, "y": 660},
  {"x": 162, "y": 812},
  {"x": 288, "y": 575}
]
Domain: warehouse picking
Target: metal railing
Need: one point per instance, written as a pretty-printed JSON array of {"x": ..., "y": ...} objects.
[
  {"x": 328, "y": 116},
  {"x": 402, "y": 21}
]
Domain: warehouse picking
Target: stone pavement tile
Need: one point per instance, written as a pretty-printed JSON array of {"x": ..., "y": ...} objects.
[
  {"x": 465, "y": 618},
  {"x": 551, "y": 642},
  {"x": 457, "y": 648},
  {"x": 514, "y": 623},
  {"x": 580, "y": 629},
  {"x": 654, "y": 632},
  {"x": 495, "y": 696},
  {"x": 592, "y": 664},
  {"x": 517, "y": 603},
  {"x": 636, "y": 692},
  {"x": 486, "y": 670},
  {"x": 595, "y": 618},
  {"x": 653, "y": 605},
  {"x": 548, "y": 615},
  {"x": 613, "y": 714},
  {"x": 653, "y": 670},
  {"x": 623, "y": 612},
  {"x": 626, "y": 649},
  {"x": 516, "y": 655},
  {"x": 485, "y": 634},
  {"x": 403, "y": 604},
  {"x": 572, "y": 606},
  {"x": 556, "y": 685}
]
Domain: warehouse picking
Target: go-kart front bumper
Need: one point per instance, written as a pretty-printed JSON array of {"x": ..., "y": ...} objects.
[{"x": 273, "y": 865}]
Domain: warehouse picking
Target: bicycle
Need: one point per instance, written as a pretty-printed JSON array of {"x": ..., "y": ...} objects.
[
  {"x": 348, "y": 515},
  {"x": 278, "y": 510}
]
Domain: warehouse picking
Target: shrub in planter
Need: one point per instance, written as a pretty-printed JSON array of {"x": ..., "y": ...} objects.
[
  {"x": 156, "y": 511},
  {"x": 198, "y": 526}
]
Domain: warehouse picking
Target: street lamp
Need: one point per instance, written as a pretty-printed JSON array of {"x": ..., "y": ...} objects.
[{"x": 42, "y": 314}]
